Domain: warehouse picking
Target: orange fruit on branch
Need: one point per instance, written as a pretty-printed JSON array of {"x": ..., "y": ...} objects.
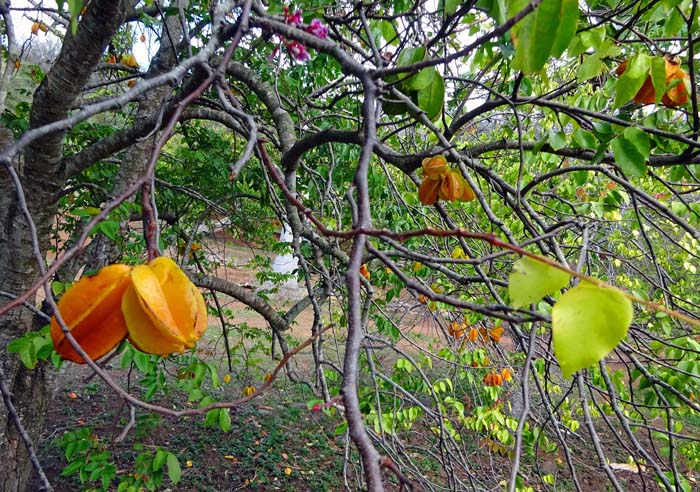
[
  {"x": 496, "y": 333},
  {"x": 429, "y": 190},
  {"x": 493, "y": 379},
  {"x": 452, "y": 186},
  {"x": 456, "y": 330},
  {"x": 434, "y": 167},
  {"x": 441, "y": 181},
  {"x": 164, "y": 311},
  {"x": 467, "y": 194},
  {"x": 91, "y": 309},
  {"x": 676, "y": 85}
]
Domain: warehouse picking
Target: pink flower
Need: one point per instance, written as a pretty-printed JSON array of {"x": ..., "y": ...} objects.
[
  {"x": 293, "y": 19},
  {"x": 317, "y": 407},
  {"x": 298, "y": 51},
  {"x": 318, "y": 29}
]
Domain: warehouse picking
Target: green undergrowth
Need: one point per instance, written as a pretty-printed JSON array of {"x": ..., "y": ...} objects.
[{"x": 273, "y": 443}]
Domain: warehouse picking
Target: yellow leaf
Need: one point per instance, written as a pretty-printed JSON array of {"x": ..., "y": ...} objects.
[{"x": 458, "y": 253}]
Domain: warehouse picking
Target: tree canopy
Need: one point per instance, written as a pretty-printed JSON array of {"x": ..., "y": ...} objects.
[{"x": 494, "y": 207}]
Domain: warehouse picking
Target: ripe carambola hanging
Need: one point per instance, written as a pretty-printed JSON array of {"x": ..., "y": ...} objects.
[{"x": 155, "y": 305}]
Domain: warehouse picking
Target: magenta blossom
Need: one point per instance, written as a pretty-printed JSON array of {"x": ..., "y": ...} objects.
[
  {"x": 293, "y": 19},
  {"x": 318, "y": 29},
  {"x": 298, "y": 51}
]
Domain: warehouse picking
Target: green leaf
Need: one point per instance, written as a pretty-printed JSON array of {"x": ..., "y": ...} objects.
[
  {"x": 585, "y": 139},
  {"x": 110, "y": 228},
  {"x": 587, "y": 323},
  {"x": 631, "y": 151},
  {"x": 214, "y": 373},
  {"x": 409, "y": 56},
  {"x": 24, "y": 348},
  {"x": 225, "y": 419},
  {"x": 389, "y": 32},
  {"x": 86, "y": 211},
  {"x": 159, "y": 460},
  {"x": 557, "y": 140},
  {"x": 57, "y": 287},
  {"x": 432, "y": 97},
  {"x": 451, "y": 6},
  {"x": 591, "y": 67},
  {"x": 75, "y": 7},
  {"x": 531, "y": 280},
  {"x": 593, "y": 38},
  {"x": 629, "y": 83},
  {"x": 640, "y": 140},
  {"x": 174, "y": 470},
  {"x": 568, "y": 21},
  {"x": 212, "y": 417},
  {"x": 546, "y": 31},
  {"x": 422, "y": 79},
  {"x": 496, "y": 9},
  {"x": 658, "y": 76}
]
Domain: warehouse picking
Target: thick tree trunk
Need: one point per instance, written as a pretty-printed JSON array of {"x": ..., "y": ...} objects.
[
  {"x": 42, "y": 179},
  {"x": 18, "y": 270}
]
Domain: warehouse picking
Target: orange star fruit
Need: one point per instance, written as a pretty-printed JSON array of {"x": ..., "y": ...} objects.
[
  {"x": 452, "y": 186},
  {"x": 676, "y": 81},
  {"x": 493, "y": 379},
  {"x": 496, "y": 334},
  {"x": 467, "y": 194},
  {"x": 456, "y": 329},
  {"x": 428, "y": 191},
  {"x": 434, "y": 167},
  {"x": 164, "y": 311},
  {"x": 130, "y": 60},
  {"x": 91, "y": 311}
]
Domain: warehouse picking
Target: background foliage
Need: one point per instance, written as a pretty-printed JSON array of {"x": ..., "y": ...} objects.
[{"x": 442, "y": 359}]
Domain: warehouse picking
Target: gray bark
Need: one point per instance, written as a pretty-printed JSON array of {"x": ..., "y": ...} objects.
[{"x": 42, "y": 178}]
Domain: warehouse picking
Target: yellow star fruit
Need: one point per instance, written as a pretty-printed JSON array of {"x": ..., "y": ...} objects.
[{"x": 164, "y": 311}]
